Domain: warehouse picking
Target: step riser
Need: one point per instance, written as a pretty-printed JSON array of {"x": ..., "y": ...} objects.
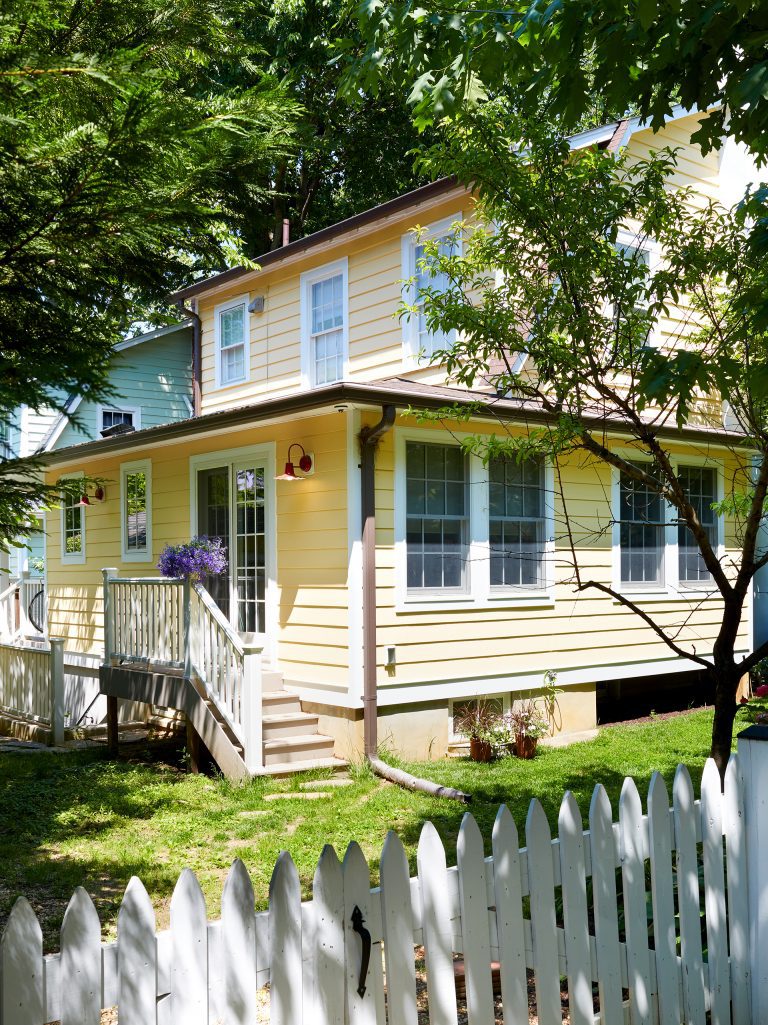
[
  {"x": 285, "y": 754},
  {"x": 284, "y": 705},
  {"x": 300, "y": 728}
]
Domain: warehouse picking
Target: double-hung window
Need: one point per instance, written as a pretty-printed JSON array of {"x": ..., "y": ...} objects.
[
  {"x": 700, "y": 485},
  {"x": 641, "y": 260},
  {"x": 324, "y": 323},
  {"x": 136, "y": 511},
  {"x": 421, "y": 344},
  {"x": 437, "y": 517},
  {"x": 641, "y": 533},
  {"x": 231, "y": 342},
  {"x": 72, "y": 529},
  {"x": 516, "y": 527}
]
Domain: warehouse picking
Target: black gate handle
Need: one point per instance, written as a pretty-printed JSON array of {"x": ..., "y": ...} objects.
[{"x": 365, "y": 937}]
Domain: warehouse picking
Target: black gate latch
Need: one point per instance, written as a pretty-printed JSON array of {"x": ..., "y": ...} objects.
[{"x": 365, "y": 937}]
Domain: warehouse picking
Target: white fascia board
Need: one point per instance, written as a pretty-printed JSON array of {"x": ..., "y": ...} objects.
[
  {"x": 128, "y": 343},
  {"x": 58, "y": 427}
]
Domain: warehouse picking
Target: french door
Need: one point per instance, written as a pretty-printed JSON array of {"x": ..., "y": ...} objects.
[{"x": 231, "y": 505}]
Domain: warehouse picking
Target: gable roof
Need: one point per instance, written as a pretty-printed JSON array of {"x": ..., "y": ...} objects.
[
  {"x": 73, "y": 401},
  {"x": 614, "y": 135}
]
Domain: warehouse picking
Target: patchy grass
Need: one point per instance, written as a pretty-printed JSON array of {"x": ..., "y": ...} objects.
[{"x": 77, "y": 818}]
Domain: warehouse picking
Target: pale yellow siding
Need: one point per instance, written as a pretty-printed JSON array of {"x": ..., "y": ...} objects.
[{"x": 312, "y": 563}]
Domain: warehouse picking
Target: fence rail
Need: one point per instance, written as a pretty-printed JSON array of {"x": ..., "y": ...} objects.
[
  {"x": 549, "y": 909},
  {"x": 26, "y": 682},
  {"x": 23, "y": 609}
]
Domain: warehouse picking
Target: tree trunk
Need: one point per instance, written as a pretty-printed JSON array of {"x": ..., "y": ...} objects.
[{"x": 726, "y": 685}]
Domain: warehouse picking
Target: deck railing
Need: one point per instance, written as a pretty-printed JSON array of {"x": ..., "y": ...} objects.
[
  {"x": 170, "y": 623},
  {"x": 32, "y": 684},
  {"x": 23, "y": 608}
]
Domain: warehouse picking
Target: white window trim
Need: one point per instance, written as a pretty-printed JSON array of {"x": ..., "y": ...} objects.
[
  {"x": 409, "y": 322},
  {"x": 673, "y": 587},
  {"x": 72, "y": 558},
  {"x": 265, "y": 453},
  {"x": 138, "y": 466},
  {"x": 230, "y": 304},
  {"x": 454, "y": 704},
  {"x": 307, "y": 280},
  {"x": 478, "y": 592},
  {"x": 135, "y": 412},
  {"x": 625, "y": 237}
]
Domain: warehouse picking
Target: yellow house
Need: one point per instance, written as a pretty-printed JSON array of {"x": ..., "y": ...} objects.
[{"x": 382, "y": 569}]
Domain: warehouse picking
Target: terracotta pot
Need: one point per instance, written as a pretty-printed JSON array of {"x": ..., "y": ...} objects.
[
  {"x": 480, "y": 750},
  {"x": 525, "y": 746}
]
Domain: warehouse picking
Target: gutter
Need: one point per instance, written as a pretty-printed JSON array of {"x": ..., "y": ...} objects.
[
  {"x": 352, "y": 393},
  {"x": 197, "y": 355},
  {"x": 369, "y": 439}
]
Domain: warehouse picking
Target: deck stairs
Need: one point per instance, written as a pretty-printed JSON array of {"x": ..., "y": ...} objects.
[{"x": 291, "y": 741}]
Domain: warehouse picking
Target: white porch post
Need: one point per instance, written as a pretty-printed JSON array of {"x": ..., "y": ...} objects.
[
  {"x": 252, "y": 732},
  {"x": 109, "y": 625},
  {"x": 753, "y": 761},
  {"x": 23, "y": 598},
  {"x": 57, "y": 690},
  {"x": 187, "y": 627}
]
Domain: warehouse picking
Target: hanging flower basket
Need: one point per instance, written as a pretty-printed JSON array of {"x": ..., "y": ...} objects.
[{"x": 198, "y": 558}]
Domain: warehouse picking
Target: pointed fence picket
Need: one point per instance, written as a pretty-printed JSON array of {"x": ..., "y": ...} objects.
[{"x": 550, "y": 912}]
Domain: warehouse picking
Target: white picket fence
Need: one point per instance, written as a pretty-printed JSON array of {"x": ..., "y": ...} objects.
[{"x": 551, "y": 908}]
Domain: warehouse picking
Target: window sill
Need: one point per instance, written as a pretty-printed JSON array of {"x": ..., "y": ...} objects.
[
  {"x": 466, "y": 602},
  {"x": 681, "y": 594},
  {"x": 136, "y": 557}
]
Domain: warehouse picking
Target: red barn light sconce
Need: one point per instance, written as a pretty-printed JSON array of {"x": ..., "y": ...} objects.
[
  {"x": 99, "y": 495},
  {"x": 305, "y": 464}
]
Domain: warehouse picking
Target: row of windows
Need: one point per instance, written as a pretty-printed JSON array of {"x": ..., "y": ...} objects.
[
  {"x": 439, "y": 524},
  {"x": 324, "y": 316},
  {"x": 324, "y": 319},
  {"x": 135, "y": 517}
]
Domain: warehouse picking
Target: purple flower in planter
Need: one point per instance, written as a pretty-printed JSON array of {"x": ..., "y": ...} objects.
[{"x": 202, "y": 556}]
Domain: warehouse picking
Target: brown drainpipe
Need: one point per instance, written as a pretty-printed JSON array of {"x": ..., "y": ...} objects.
[
  {"x": 197, "y": 355},
  {"x": 369, "y": 438}
]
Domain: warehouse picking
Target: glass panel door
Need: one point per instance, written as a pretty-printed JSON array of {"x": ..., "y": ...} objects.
[
  {"x": 213, "y": 520},
  {"x": 249, "y": 562}
]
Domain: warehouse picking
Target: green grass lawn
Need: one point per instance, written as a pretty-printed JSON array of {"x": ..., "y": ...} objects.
[{"x": 77, "y": 818}]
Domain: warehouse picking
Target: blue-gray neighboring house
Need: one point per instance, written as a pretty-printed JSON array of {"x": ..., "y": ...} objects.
[{"x": 152, "y": 380}]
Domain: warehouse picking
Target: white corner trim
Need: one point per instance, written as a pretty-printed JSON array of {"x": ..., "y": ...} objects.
[
  {"x": 148, "y": 336},
  {"x": 61, "y": 423},
  {"x": 137, "y": 466},
  {"x": 306, "y": 281},
  {"x": 231, "y": 304},
  {"x": 354, "y": 556}
]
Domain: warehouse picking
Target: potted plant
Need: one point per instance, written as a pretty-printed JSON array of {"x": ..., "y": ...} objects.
[
  {"x": 480, "y": 721},
  {"x": 193, "y": 560},
  {"x": 524, "y": 724}
]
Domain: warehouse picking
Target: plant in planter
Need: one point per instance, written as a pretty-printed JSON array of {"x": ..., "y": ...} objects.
[
  {"x": 193, "y": 560},
  {"x": 481, "y": 722},
  {"x": 523, "y": 725}
]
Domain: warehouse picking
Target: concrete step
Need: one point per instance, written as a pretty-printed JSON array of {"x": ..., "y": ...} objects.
[
  {"x": 279, "y": 702},
  {"x": 297, "y": 749},
  {"x": 288, "y": 724},
  {"x": 309, "y": 765}
]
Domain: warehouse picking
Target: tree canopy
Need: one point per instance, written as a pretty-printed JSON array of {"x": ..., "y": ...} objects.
[
  {"x": 563, "y": 306},
  {"x": 636, "y": 56}
]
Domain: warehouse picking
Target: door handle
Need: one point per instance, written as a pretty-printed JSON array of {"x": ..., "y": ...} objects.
[{"x": 365, "y": 938}]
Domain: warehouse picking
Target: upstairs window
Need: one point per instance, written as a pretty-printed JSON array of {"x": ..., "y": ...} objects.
[
  {"x": 136, "y": 519},
  {"x": 641, "y": 533},
  {"x": 516, "y": 527},
  {"x": 700, "y": 485},
  {"x": 327, "y": 329},
  {"x": 420, "y": 271},
  {"x": 72, "y": 529},
  {"x": 437, "y": 517},
  {"x": 231, "y": 342},
  {"x": 324, "y": 324},
  {"x": 112, "y": 417},
  {"x": 643, "y": 261}
]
